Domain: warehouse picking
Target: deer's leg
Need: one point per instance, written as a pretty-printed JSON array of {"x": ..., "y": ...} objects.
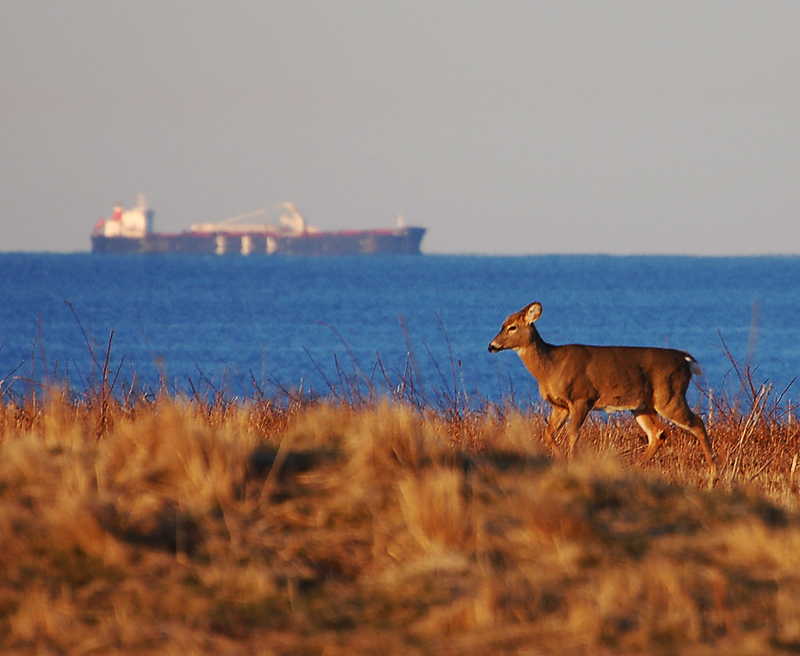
[
  {"x": 680, "y": 414},
  {"x": 698, "y": 429},
  {"x": 655, "y": 434},
  {"x": 577, "y": 415},
  {"x": 554, "y": 423}
]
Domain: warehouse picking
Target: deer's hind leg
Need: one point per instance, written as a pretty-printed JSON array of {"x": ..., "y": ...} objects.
[
  {"x": 648, "y": 420},
  {"x": 681, "y": 415}
]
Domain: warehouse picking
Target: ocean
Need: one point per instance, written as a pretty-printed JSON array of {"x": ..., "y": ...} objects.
[{"x": 329, "y": 325}]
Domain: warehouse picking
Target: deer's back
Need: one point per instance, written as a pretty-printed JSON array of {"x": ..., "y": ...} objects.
[{"x": 615, "y": 377}]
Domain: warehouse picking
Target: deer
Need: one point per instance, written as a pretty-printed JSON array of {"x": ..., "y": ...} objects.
[{"x": 575, "y": 379}]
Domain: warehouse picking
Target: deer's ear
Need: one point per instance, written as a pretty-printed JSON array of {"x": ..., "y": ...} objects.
[{"x": 533, "y": 312}]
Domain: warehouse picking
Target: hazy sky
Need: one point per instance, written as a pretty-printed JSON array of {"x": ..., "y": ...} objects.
[{"x": 504, "y": 127}]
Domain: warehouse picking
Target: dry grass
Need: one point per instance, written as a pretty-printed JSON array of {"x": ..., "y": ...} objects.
[{"x": 161, "y": 525}]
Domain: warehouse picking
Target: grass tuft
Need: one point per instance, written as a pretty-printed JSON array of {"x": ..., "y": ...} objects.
[{"x": 367, "y": 523}]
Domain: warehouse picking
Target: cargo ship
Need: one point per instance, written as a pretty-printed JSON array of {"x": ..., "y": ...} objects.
[{"x": 131, "y": 231}]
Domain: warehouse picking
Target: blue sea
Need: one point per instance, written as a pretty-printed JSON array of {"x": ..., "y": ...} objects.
[{"x": 330, "y": 325}]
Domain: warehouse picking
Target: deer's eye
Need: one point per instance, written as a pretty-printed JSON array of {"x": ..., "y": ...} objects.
[{"x": 511, "y": 329}]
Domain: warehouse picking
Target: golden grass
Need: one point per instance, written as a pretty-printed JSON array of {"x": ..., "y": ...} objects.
[{"x": 168, "y": 526}]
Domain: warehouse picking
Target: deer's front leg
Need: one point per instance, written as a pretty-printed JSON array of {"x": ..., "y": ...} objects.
[
  {"x": 554, "y": 423},
  {"x": 577, "y": 414}
]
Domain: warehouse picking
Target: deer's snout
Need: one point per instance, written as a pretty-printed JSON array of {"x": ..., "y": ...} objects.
[{"x": 494, "y": 348}]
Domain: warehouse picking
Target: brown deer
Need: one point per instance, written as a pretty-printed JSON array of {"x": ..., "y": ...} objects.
[{"x": 576, "y": 379}]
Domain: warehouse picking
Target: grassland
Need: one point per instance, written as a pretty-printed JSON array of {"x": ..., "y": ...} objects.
[{"x": 351, "y": 525}]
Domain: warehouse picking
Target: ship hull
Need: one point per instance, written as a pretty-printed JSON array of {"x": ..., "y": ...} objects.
[{"x": 402, "y": 241}]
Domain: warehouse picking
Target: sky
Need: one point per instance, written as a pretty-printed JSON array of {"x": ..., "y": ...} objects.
[{"x": 505, "y": 128}]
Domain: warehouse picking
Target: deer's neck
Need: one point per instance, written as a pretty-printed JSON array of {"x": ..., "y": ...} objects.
[{"x": 536, "y": 354}]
